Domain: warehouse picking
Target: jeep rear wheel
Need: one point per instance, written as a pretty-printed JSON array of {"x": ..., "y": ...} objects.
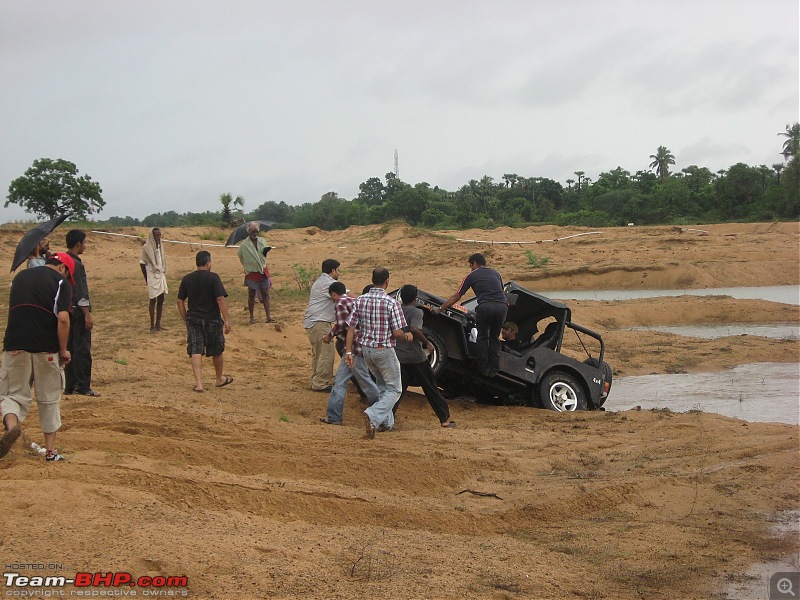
[
  {"x": 561, "y": 392},
  {"x": 438, "y": 357}
]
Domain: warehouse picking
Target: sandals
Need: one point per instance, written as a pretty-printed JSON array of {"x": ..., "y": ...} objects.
[
  {"x": 450, "y": 425},
  {"x": 228, "y": 380}
]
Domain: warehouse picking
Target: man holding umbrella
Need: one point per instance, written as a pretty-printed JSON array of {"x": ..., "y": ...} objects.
[
  {"x": 252, "y": 254},
  {"x": 35, "y": 349}
]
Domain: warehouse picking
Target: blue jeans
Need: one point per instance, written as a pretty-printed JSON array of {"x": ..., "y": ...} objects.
[
  {"x": 344, "y": 374},
  {"x": 383, "y": 364}
]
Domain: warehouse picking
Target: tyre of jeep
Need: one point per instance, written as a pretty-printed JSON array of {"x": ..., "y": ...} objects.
[
  {"x": 561, "y": 392},
  {"x": 438, "y": 357}
]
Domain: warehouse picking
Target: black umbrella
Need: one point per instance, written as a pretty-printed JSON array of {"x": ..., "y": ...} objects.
[
  {"x": 30, "y": 241},
  {"x": 240, "y": 232}
]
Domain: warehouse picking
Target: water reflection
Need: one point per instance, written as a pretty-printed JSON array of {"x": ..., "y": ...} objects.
[
  {"x": 778, "y": 331},
  {"x": 763, "y": 392},
  {"x": 785, "y": 294}
]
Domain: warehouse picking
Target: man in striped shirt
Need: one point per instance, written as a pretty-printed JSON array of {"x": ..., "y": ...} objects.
[
  {"x": 375, "y": 322},
  {"x": 358, "y": 371}
]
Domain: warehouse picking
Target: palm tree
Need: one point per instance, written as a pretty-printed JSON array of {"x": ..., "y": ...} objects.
[
  {"x": 227, "y": 200},
  {"x": 792, "y": 143},
  {"x": 511, "y": 179},
  {"x": 580, "y": 175},
  {"x": 778, "y": 167},
  {"x": 662, "y": 159},
  {"x": 569, "y": 183}
]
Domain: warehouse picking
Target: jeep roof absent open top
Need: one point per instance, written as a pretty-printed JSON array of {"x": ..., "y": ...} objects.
[{"x": 541, "y": 372}]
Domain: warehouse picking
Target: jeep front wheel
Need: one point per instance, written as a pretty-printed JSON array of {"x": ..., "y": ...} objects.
[{"x": 561, "y": 392}]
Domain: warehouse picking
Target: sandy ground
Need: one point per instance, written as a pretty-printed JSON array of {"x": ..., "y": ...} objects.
[{"x": 244, "y": 492}]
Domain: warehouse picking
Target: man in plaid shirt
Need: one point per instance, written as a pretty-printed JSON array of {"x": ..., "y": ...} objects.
[
  {"x": 375, "y": 322},
  {"x": 359, "y": 370}
]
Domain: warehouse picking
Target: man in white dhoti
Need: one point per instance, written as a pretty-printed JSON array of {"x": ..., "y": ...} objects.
[{"x": 154, "y": 269}]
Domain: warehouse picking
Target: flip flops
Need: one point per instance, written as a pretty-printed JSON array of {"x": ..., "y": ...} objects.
[{"x": 228, "y": 380}]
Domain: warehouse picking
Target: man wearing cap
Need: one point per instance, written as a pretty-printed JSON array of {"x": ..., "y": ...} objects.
[
  {"x": 252, "y": 254},
  {"x": 78, "y": 373},
  {"x": 35, "y": 349}
]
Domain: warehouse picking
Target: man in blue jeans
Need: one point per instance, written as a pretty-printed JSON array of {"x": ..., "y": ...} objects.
[
  {"x": 359, "y": 371},
  {"x": 490, "y": 313},
  {"x": 375, "y": 322}
]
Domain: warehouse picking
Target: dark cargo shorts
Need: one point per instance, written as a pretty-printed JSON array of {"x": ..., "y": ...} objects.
[{"x": 205, "y": 336}]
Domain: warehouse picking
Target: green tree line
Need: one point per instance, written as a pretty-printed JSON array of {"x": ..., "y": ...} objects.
[{"x": 657, "y": 195}]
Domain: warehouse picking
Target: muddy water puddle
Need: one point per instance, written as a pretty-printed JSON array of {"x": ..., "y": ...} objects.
[
  {"x": 763, "y": 392},
  {"x": 770, "y": 579},
  {"x": 778, "y": 331},
  {"x": 785, "y": 294}
]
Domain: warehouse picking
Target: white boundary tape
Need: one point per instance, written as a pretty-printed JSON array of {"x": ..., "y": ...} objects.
[
  {"x": 201, "y": 244},
  {"x": 492, "y": 242}
]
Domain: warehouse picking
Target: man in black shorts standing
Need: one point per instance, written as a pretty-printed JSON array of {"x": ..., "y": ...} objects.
[
  {"x": 490, "y": 313},
  {"x": 206, "y": 320}
]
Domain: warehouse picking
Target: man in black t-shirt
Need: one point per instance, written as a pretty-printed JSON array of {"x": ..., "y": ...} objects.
[
  {"x": 78, "y": 373},
  {"x": 35, "y": 349},
  {"x": 489, "y": 314},
  {"x": 206, "y": 319}
]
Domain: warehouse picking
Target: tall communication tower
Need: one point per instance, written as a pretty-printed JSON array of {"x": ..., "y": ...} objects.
[{"x": 396, "y": 164}]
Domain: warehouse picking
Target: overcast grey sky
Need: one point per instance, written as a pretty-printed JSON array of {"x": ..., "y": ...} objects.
[{"x": 167, "y": 104}]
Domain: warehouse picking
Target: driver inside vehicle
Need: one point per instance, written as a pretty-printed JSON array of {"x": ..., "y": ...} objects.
[{"x": 508, "y": 334}]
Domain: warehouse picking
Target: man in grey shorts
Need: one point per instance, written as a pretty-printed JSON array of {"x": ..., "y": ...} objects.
[
  {"x": 35, "y": 349},
  {"x": 207, "y": 319}
]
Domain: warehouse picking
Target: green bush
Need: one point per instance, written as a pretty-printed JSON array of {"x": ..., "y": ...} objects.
[
  {"x": 304, "y": 276},
  {"x": 537, "y": 262}
]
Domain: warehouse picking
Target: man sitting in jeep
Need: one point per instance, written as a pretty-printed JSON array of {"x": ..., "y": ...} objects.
[{"x": 509, "y": 332}]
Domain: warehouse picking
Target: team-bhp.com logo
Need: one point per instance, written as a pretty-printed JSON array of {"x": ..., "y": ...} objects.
[{"x": 91, "y": 584}]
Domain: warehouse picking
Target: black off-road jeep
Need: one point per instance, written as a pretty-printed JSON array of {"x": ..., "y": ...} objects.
[{"x": 544, "y": 371}]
